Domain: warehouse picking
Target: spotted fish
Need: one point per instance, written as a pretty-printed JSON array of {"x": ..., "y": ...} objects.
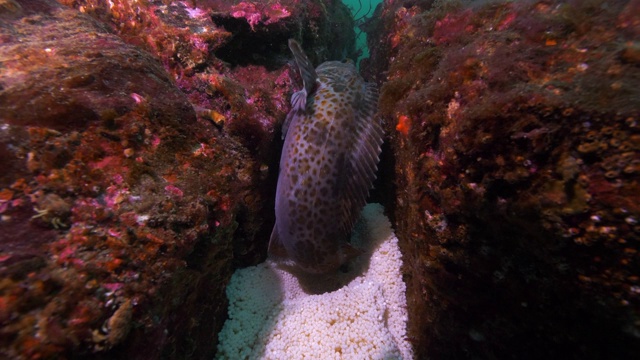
[{"x": 328, "y": 164}]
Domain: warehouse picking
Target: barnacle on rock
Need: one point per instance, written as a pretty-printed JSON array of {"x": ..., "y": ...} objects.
[
  {"x": 115, "y": 329},
  {"x": 52, "y": 210}
]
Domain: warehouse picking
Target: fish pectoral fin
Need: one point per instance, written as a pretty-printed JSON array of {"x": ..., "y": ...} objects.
[
  {"x": 362, "y": 159},
  {"x": 276, "y": 249},
  {"x": 298, "y": 105},
  {"x": 348, "y": 252},
  {"x": 299, "y": 100},
  {"x": 287, "y": 122}
]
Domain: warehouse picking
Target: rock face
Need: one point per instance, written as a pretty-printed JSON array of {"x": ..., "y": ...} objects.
[
  {"x": 515, "y": 128},
  {"x": 135, "y": 146}
]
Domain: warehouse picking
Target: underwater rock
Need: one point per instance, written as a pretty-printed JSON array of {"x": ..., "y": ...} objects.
[
  {"x": 118, "y": 207},
  {"x": 137, "y": 143},
  {"x": 230, "y": 57},
  {"x": 515, "y": 129},
  {"x": 237, "y": 75}
]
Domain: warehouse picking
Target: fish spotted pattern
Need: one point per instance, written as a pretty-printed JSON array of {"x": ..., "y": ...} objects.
[{"x": 328, "y": 165}]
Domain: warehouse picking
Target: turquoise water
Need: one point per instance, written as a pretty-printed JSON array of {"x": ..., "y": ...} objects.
[{"x": 361, "y": 9}]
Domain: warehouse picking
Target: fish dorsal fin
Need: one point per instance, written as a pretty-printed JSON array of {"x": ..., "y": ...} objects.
[
  {"x": 362, "y": 159},
  {"x": 307, "y": 71},
  {"x": 309, "y": 78},
  {"x": 276, "y": 249}
]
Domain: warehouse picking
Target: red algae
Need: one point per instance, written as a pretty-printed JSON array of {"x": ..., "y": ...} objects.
[
  {"x": 516, "y": 183},
  {"x": 263, "y": 14}
]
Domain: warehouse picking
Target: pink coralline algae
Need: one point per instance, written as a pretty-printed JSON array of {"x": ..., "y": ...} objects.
[
  {"x": 453, "y": 26},
  {"x": 174, "y": 191},
  {"x": 262, "y": 13}
]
